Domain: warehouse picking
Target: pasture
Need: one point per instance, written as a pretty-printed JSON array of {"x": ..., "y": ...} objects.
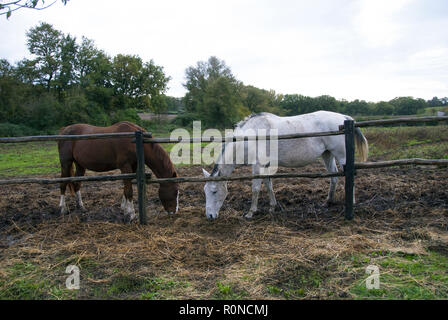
[{"x": 306, "y": 251}]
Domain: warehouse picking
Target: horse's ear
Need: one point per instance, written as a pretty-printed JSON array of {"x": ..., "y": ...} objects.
[
  {"x": 175, "y": 174},
  {"x": 206, "y": 174}
]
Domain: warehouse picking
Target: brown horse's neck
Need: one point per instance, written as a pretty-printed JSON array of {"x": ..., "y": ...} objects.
[{"x": 158, "y": 160}]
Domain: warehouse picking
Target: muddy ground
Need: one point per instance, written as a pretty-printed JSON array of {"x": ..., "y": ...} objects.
[{"x": 397, "y": 210}]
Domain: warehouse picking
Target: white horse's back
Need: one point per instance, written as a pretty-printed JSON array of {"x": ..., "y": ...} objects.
[{"x": 300, "y": 152}]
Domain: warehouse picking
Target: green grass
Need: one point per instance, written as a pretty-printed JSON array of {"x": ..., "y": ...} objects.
[
  {"x": 27, "y": 281},
  {"x": 408, "y": 142},
  {"x": 42, "y": 158},
  {"x": 145, "y": 288},
  {"x": 403, "y": 276},
  {"x": 228, "y": 291},
  {"x": 295, "y": 280},
  {"x": 29, "y": 158}
]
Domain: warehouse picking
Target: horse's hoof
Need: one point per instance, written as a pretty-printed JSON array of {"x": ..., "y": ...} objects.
[
  {"x": 82, "y": 209},
  {"x": 129, "y": 219},
  {"x": 249, "y": 215},
  {"x": 272, "y": 210},
  {"x": 63, "y": 210}
]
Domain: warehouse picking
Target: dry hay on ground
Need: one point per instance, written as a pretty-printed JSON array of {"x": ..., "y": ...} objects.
[{"x": 402, "y": 210}]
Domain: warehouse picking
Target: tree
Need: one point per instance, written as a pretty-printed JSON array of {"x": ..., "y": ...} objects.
[
  {"x": 6, "y": 69},
  {"x": 199, "y": 77},
  {"x": 136, "y": 83},
  {"x": 357, "y": 107},
  {"x": 12, "y": 93},
  {"x": 67, "y": 56},
  {"x": 94, "y": 71},
  {"x": 174, "y": 104},
  {"x": 214, "y": 94},
  {"x": 435, "y": 102},
  {"x": 158, "y": 105},
  {"x": 383, "y": 108},
  {"x": 44, "y": 42},
  {"x": 259, "y": 100},
  {"x": 326, "y": 102},
  {"x": 222, "y": 108},
  {"x": 8, "y": 6},
  {"x": 407, "y": 105}
]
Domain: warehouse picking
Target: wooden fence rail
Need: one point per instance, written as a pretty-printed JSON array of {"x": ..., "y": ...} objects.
[
  {"x": 384, "y": 122},
  {"x": 150, "y": 180},
  {"x": 114, "y": 177},
  {"x": 72, "y": 137}
]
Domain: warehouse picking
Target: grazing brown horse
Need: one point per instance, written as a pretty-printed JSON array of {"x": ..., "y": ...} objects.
[{"x": 114, "y": 153}]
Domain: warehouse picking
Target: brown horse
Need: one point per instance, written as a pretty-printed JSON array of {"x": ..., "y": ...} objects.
[{"x": 114, "y": 153}]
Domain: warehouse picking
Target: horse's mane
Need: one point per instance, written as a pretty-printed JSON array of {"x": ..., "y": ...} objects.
[
  {"x": 164, "y": 161},
  {"x": 160, "y": 155}
]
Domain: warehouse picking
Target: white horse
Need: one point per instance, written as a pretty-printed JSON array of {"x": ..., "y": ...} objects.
[{"x": 291, "y": 153}]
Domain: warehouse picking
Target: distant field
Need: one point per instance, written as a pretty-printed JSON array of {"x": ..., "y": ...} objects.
[
  {"x": 407, "y": 142},
  {"x": 33, "y": 158},
  {"x": 152, "y": 116}
]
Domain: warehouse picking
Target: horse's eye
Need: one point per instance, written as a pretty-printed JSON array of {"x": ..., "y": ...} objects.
[{"x": 214, "y": 192}]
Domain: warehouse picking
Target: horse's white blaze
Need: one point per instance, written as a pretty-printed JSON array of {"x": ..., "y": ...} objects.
[{"x": 291, "y": 153}]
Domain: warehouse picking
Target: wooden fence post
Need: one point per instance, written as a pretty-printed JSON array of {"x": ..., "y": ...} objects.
[
  {"x": 349, "y": 168},
  {"x": 141, "y": 177}
]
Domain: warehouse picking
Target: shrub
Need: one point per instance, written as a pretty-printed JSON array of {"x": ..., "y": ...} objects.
[{"x": 14, "y": 130}]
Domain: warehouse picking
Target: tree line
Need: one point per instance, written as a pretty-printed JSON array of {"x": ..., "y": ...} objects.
[
  {"x": 71, "y": 80},
  {"x": 215, "y": 96}
]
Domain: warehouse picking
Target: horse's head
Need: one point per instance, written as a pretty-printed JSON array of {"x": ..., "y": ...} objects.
[
  {"x": 215, "y": 194},
  {"x": 169, "y": 195}
]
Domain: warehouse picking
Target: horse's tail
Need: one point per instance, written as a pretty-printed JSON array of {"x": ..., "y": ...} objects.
[{"x": 361, "y": 144}]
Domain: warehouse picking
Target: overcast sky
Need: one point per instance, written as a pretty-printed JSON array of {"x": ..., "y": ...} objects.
[{"x": 367, "y": 49}]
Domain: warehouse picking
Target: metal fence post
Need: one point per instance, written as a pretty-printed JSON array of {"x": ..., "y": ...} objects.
[
  {"x": 349, "y": 168},
  {"x": 141, "y": 177}
]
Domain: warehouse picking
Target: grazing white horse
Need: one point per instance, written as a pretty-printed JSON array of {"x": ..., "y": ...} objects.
[{"x": 291, "y": 153}]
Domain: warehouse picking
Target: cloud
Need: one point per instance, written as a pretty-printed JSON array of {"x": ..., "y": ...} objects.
[
  {"x": 366, "y": 49},
  {"x": 378, "y": 23}
]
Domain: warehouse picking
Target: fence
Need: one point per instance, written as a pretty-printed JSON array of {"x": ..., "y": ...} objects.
[{"x": 143, "y": 178}]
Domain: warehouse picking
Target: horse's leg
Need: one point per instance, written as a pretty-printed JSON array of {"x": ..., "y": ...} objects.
[
  {"x": 256, "y": 187},
  {"x": 272, "y": 200},
  {"x": 128, "y": 205},
  {"x": 330, "y": 164},
  {"x": 80, "y": 171},
  {"x": 66, "y": 168}
]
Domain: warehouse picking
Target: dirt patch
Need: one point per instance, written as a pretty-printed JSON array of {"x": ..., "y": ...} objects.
[{"x": 297, "y": 247}]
